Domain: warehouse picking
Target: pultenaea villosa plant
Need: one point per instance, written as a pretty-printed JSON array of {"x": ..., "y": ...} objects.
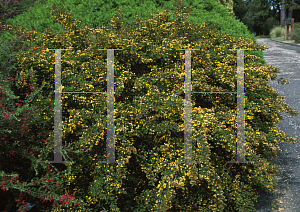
[{"x": 149, "y": 103}]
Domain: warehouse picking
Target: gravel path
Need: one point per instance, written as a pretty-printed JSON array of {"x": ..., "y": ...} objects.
[{"x": 287, "y": 58}]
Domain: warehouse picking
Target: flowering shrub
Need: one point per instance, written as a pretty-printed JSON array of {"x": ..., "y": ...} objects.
[
  {"x": 9, "y": 9},
  {"x": 149, "y": 94}
]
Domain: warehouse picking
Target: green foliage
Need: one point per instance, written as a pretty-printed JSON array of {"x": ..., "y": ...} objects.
[
  {"x": 228, "y": 4},
  {"x": 10, "y": 9},
  {"x": 98, "y": 13},
  {"x": 211, "y": 12},
  {"x": 296, "y": 33},
  {"x": 8, "y": 48},
  {"x": 291, "y": 4},
  {"x": 259, "y": 17},
  {"x": 149, "y": 103},
  {"x": 241, "y": 8}
]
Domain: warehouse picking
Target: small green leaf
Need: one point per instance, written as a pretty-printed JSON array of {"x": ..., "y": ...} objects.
[{"x": 4, "y": 83}]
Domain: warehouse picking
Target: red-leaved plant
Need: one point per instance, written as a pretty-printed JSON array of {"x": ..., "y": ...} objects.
[{"x": 21, "y": 141}]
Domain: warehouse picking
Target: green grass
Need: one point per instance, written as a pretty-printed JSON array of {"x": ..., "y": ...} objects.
[
  {"x": 281, "y": 38},
  {"x": 277, "y": 38}
]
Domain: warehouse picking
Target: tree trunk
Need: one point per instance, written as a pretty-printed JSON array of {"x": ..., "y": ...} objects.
[
  {"x": 290, "y": 14},
  {"x": 282, "y": 14},
  {"x": 291, "y": 11}
]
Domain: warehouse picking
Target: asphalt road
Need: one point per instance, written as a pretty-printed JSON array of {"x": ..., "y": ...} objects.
[{"x": 287, "y": 58}]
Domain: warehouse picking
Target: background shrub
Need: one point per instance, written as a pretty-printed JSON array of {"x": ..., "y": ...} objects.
[
  {"x": 279, "y": 31},
  {"x": 295, "y": 35},
  {"x": 98, "y": 13}
]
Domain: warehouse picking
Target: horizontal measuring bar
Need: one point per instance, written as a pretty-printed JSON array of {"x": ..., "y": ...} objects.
[
  {"x": 196, "y": 92},
  {"x": 216, "y": 92},
  {"x": 83, "y": 92}
]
